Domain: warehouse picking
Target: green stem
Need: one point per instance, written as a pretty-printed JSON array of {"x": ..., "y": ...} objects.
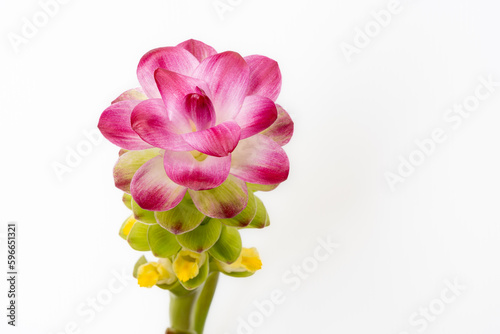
[
  {"x": 181, "y": 306},
  {"x": 204, "y": 301}
]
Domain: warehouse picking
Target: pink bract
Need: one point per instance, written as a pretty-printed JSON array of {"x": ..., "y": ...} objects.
[{"x": 199, "y": 117}]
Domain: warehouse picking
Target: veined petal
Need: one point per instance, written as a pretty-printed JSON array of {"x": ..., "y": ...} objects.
[
  {"x": 256, "y": 115},
  {"x": 281, "y": 130},
  {"x": 174, "y": 59},
  {"x": 225, "y": 201},
  {"x": 162, "y": 242},
  {"x": 198, "y": 49},
  {"x": 227, "y": 75},
  {"x": 201, "y": 238},
  {"x": 216, "y": 141},
  {"x": 184, "y": 169},
  {"x": 245, "y": 217},
  {"x": 174, "y": 88},
  {"x": 114, "y": 124},
  {"x": 153, "y": 190},
  {"x": 259, "y": 159},
  {"x": 128, "y": 164},
  {"x": 199, "y": 110},
  {"x": 131, "y": 94},
  {"x": 261, "y": 218},
  {"x": 150, "y": 121},
  {"x": 228, "y": 248},
  {"x": 183, "y": 218},
  {"x": 265, "y": 77}
]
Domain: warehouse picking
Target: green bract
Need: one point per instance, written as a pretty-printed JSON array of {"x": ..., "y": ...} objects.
[
  {"x": 203, "y": 237},
  {"x": 228, "y": 247},
  {"x": 162, "y": 242}
]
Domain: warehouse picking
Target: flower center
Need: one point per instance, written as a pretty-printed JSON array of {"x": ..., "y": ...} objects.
[{"x": 198, "y": 155}]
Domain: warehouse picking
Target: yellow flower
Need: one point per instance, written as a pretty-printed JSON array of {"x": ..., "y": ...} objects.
[
  {"x": 152, "y": 273},
  {"x": 249, "y": 260},
  {"x": 187, "y": 264},
  {"x": 127, "y": 226}
]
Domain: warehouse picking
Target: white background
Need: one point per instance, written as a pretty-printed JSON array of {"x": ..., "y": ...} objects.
[{"x": 353, "y": 120}]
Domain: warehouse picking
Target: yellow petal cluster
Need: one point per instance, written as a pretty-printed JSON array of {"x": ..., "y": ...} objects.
[
  {"x": 187, "y": 264},
  {"x": 249, "y": 260},
  {"x": 152, "y": 273}
]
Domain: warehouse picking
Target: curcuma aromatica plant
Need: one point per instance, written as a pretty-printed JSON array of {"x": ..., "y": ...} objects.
[{"x": 199, "y": 137}]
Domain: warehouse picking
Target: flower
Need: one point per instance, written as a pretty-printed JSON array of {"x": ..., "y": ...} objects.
[
  {"x": 202, "y": 122},
  {"x": 187, "y": 264},
  {"x": 152, "y": 273},
  {"x": 248, "y": 261}
]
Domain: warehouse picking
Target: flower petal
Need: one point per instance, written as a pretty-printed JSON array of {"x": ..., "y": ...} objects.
[
  {"x": 174, "y": 59},
  {"x": 153, "y": 190},
  {"x": 199, "y": 110},
  {"x": 198, "y": 49},
  {"x": 256, "y": 115},
  {"x": 265, "y": 77},
  {"x": 259, "y": 159},
  {"x": 174, "y": 88},
  {"x": 225, "y": 201},
  {"x": 281, "y": 130},
  {"x": 128, "y": 164},
  {"x": 162, "y": 242},
  {"x": 144, "y": 216},
  {"x": 201, "y": 238},
  {"x": 227, "y": 75},
  {"x": 131, "y": 94},
  {"x": 246, "y": 216},
  {"x": 261, "y": 218},
  {"x": 184, "y": 169},
  {"x": 114, "y": 124},
  {"x": 150, "y": 121},
  {"x": 228, "y": 248},
  {"x": 138, "y": 237},
  {"x": 216, "y": 141},
  {"x": 183, "y": 218}
]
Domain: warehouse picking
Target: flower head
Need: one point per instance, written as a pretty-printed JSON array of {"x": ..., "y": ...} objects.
[
  {"x": 187, "y": 264},
  {"x": 152, "y": 273},
  {"x": 203, "y": 123},
  {"x": 248, "y": 261}
]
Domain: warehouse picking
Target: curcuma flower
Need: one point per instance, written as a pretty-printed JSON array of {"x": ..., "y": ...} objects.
[
  {"x": 204, "y": 128},
  {"x": 247, "y": 263},
  {"x": 153, "y": 273}
]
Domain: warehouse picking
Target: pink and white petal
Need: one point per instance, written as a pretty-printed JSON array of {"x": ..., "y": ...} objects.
[
  {"x": 153, "y": 190},
  {"x": 174, "y": 88},
  {"x": 131, "y": 94},
  {"x": 128, "y": 163},
  {"x": 259, "y": 159},
  {"x": 227, "y": 75},
  {"x": 216, "y": 141},
  {"x": 187, "y": 171},
  {"x": 225, "y": 201},
  {"x": 174, "y": 59},
  {"x": 281, "y": 130},
  {"x": 256, "y": 115},
  {"x": 150, "y": 121},
  {"x": 198, "y": 49},
  {"x": 200, "y": 110},
  {"x": 265, "y": 77},
  {"x": 115, "y": 126}
]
